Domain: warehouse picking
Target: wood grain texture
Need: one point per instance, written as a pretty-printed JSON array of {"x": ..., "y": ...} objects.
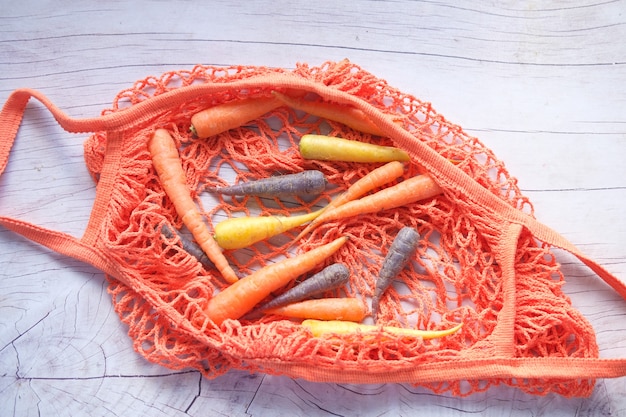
[{"x": 540, "y": 83}]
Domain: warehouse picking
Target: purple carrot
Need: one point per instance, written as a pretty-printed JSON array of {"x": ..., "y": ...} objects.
[
  {"x": 400, "y": 251},
  {"x": 189, "y": 246},
  {"x": 329, "y": 278},
  {"x": 302, "y": 183}
]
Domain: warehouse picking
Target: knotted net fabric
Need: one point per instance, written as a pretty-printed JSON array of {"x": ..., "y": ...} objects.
[{"x": 457, "y": 274}]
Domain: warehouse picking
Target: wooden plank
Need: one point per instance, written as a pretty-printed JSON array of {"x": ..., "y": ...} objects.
[{"x": 537, "y": 82}]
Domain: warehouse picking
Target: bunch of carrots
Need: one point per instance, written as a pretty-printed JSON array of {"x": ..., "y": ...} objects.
[{"x": 243, "y": 297}]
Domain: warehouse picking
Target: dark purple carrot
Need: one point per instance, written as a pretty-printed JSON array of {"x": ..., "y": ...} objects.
[
  {"x": 189, "y": 246},
  {"x": 329, "y": 278},
  {"x": 302, "y": 183},
  {"x": 400, "y": 252}
]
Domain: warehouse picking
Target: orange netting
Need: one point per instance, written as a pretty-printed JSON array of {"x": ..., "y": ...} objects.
[{"x": 455, "y": 276}]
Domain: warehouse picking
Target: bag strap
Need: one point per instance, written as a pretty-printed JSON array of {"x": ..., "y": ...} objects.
[
  {"x": 453, "y": 178},
  {"x": 448, "y": 175},
  {"x": 11, "y": 117}
]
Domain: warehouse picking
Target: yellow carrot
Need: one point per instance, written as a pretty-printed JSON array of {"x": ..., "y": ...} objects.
[
  {"x": 239, "y": 298},
  {"x": 241, "y": 232},
  {"x": 328, "y": 148},
  {"x": 321, "y": 328},
  {"x": 349, "y": 309},
  {"x": 372, "y": 180},
  {"x": 169, "y": 169}
]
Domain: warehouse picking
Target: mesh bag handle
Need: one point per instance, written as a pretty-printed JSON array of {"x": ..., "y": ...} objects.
[
  {"x": 66, "y": 244},
  {"x": 513, "y": 222},
  {"x": 13, "y": 111}
]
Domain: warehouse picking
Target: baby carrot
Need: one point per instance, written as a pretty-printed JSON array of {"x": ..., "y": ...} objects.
[
  {"x": 169, "y": 169},
  {"x": 374, "y": 179},
  {"x": 301, "y": 183},
  {"x": 321, "y": 328},
  {"x": 241, "y": 232},
  {"x": 329, "y": 278},
  {"x": 349, "y": 116},
  {"x": 406, "y": 192},
  {"x": 348, "y": 309},
  {"x": 223, "y": 117},
  {"x": 241, "y": 297},
  {"x": 328, "y": 148},
  {"x": 399, "y": 254}
]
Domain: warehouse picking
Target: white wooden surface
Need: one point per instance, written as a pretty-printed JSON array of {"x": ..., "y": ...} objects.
[{"x": 542, "y": 83}]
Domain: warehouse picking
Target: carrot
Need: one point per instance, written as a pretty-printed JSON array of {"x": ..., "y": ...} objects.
[
  {"x": 242, "y": 296},
  {"x": 329, "y": 278},
  {"x": 328, "y": 148},
  {"x": 241, "y": 232},
  {"x": 372, "y": 180},
  {"x": 406, "y": 192},
  {"x": 302, "y": 183},
  {"x": 349, "y": 309},
  {"x": 188, "y": 245},
  {"x": 399, "y": 254},
  {"x": 169, "y": 169},
  {"x": 349, "y": 116},
  {"x": 226, "y": 116},
  {"x": 321, "y": 328}
]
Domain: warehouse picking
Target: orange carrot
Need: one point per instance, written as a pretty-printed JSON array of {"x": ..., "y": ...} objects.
[
  {"x": 372, "y": 180},
  {"x": 406, "y": 192},
  {"x": 349, "y": 116},
  {"x": 223, "y": 117},
  {"x": 242, "y": 296},
  {"x": 349, "y": 309},
  {"x": 170, "y": 171}
]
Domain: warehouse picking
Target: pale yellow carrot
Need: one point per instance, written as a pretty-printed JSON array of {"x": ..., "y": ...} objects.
[
  {"x": 321, "y": 328},
  {"x": 329, "y": 148}
]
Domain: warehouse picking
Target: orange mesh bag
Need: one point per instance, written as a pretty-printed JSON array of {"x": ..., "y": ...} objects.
[{"x": 483, "y": 259}]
